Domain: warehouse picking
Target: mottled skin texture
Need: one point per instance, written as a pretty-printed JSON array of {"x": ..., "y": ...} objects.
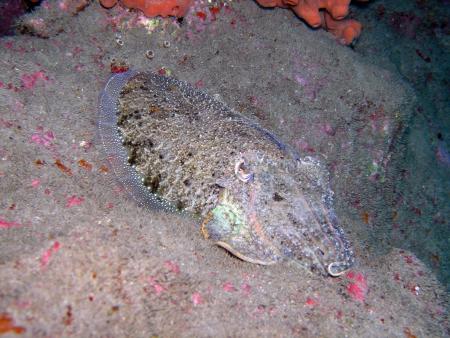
[
  {"x": 178, "y": 145},
  {"x": 255, "y": 197}
]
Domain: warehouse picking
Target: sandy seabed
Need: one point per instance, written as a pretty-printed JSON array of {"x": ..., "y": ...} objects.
[{"x": 79, "y": 258}]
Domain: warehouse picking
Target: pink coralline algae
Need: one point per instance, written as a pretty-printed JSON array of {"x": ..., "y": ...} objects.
[
  {"x": 30, "y": 80},
  {"x": 246, "y": 289},
  {"x": 229, "y": 287},
  {"x": 357, "y": 288},
  {"x": 197, "y": 298},
  {"x": 173, "y": 267},
  {"x": 43, "y": 138},
  {"x": 157, "y": 287},
  {"x": 4, "y": 224},
  {"x": 45, "y": 258},
  {"x": 73, "y": 201},
  {"x": 35, "y": 183},
  {"x": 310, "y": 301}
]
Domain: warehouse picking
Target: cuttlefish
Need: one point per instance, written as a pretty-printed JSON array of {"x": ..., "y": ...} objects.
[{"x": 175, "y": 148}]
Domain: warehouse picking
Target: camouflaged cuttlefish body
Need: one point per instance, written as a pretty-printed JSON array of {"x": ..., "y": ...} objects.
[{"x": 175, "y": 148}]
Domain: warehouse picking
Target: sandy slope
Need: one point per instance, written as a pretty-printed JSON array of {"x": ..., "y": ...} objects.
[{"x": 77, "y": 257}]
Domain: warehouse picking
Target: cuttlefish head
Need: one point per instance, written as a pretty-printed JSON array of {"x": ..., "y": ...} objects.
[
  {"x": 232, "y": 228},
  {"x": 262, "y": 216}
]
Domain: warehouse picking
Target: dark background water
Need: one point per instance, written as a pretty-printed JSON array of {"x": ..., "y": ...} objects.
[{"x": 414, "y": 36}]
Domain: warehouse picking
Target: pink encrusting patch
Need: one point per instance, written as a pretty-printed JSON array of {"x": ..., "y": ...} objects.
[
  {"x": 304, "y": 146},
  {"x": 35, "y": 183},
  {"x": 173, "y": 267},
  {"x": 228, "y": 287},
  {"x": 357, "y": 288},
  {"x": 157, "y": 287},
  {"x": 45, "y": 258},
  {"x": 73, "y": 201},
  {"x": 326, "y": 128},
  {"x": 310, "y": 301},
  {"x": 197, "y": 298},
  {"x": 29, "y": 80},
  {"x": 4, "y": 224},
  {"x": 246, "y": 289},
  {"x": 43, "y": 138},
  {"x": 62, "y": 5}
]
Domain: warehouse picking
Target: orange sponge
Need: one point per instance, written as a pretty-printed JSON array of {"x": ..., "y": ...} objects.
[
  {"x": 108, "y": 3},
  {"x": 345, "y": 30},
  {"x": 153, "y": 8},
  {"x": 322, "y": 13}
]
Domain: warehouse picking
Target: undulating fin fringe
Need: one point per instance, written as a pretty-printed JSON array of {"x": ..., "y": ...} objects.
[{"x": 116, "y": 153}]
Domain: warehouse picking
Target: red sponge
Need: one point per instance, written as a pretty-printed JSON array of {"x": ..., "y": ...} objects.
[{"x": 153, "y": 8}]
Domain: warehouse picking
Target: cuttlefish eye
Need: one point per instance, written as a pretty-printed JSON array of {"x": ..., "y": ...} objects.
[{"x": 242, "y": 171}]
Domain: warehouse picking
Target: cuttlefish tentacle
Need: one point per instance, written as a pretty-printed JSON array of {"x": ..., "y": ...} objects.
[
  {"x": 241, "y": 172},
  {"x": 332, "y": 271}
]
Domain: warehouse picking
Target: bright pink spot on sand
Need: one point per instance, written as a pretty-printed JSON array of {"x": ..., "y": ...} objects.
[
  {"x": 199, "y": 84},
  {"x": 62, "y": 5},
  {"x": 49, "y": 252},
  {"x": 357, "y": 288},
  {"x": 6, "y": 225},
  {"x": 304, "y": 146},
  {"x": 310, "y": 301},
  {"x": 156, "y": 286},
  {"x": 246, "y": 289},
  {"x": 73, "y": 201},
  {"x": 119, "y": 189},
  {"x": 19, "y": 106},
  {"x": 79, "y": 67},
  {"x": 228, "y": 287},
  {"x": 35, "y": 183},
  {"x": 29, "y": 80},
  {"x": 77, "y": 50},
  {"x": 197, "y": 298},
  {"x": 408, "y": 259},
  {"x": 173, "y": 267},
  {"x": 45, "y": 139},
  {"x": 328, "y": 129},
  {"x": 5, "y": 123}
]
